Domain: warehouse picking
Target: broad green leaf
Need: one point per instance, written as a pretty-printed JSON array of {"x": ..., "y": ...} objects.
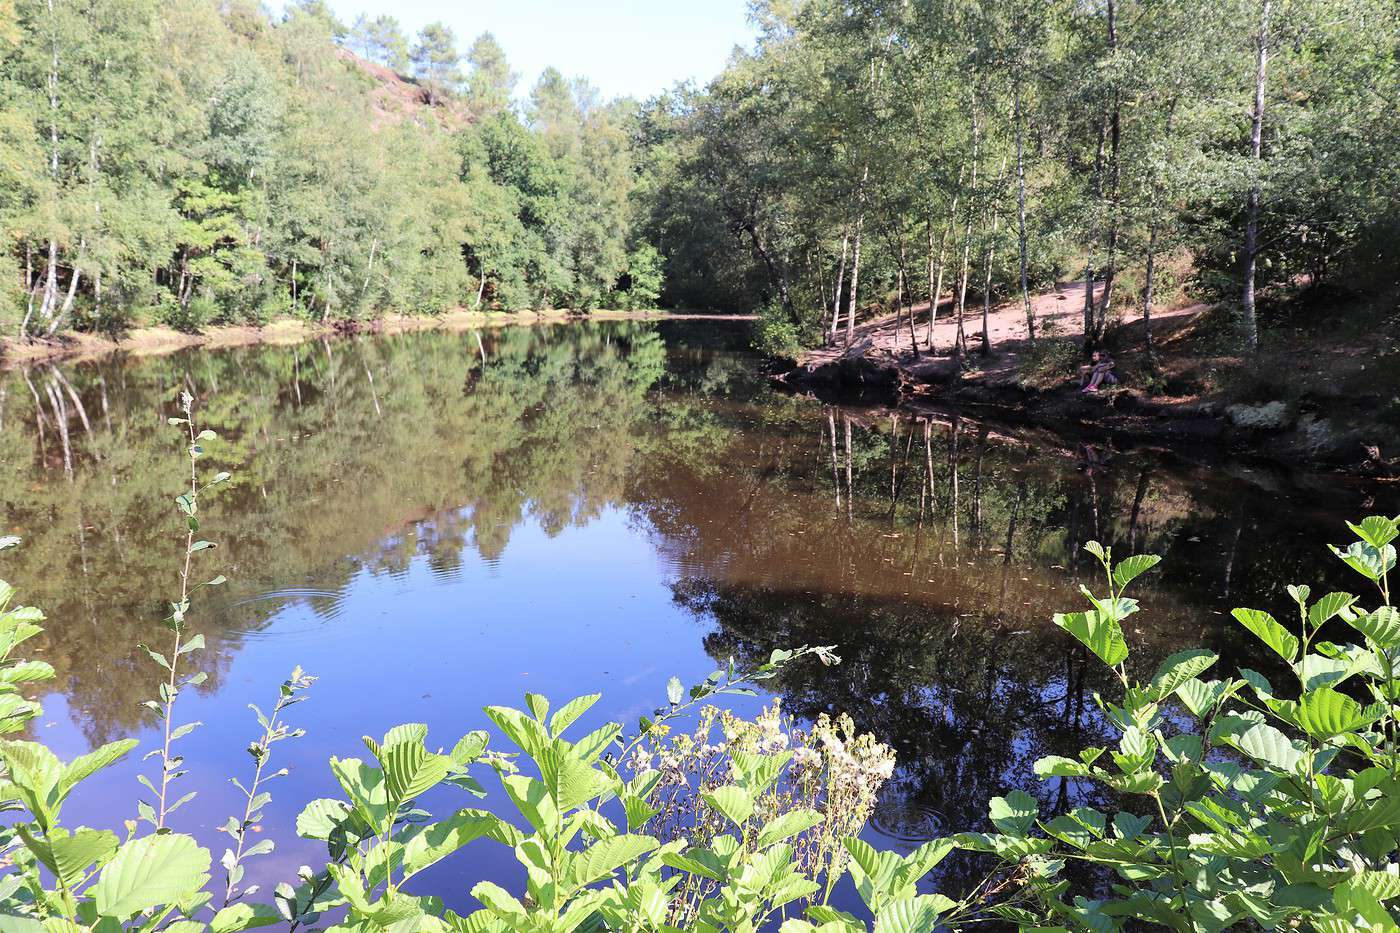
[
  {"x": 1102, "y": 636},
  {"x": 364, "y": 786},
  {"x": 85, "y": 766},
  {"x": 734, "y": 803},
  {"x": 1376, "y": 530},
  {"x": 1059, "y": 766},
  {"x": 498, "y": 899},
  {"x": 787, "y": 825},
  {"x": 1129, "y": 569},
  {"x": 570, "y": 780},
  {"x": 917, "y": 914},
  {"x": 532, "y": 799},
  {"x": 1324, "y": 712},
  {"x": 69, "y": 855},
  {"x": 1327, "y": 607},
  {"x": 1366, "y": 559},
  {"x": 434, "y": 842},
  {"x": 1202, "y": 697},
  {"x": 1015, "y": 813},
  {"x": 520, "y": 729},
  {"x": 1267, "y": 745},
  {"x": 149, "y": 872},
  {"x": 606, "y": 856},
  {"x": 319, "y": 818},
  {"x": 409, "y": 768},
  {"x": 1382, "y": 885},
  {"x": 244, "y": 916},
  {"x": 1322, "y": 671},
  {"x": 1267, "y": 629},
  {"x": 1381, "y": 626},
  {"x": 571, "y": 711},
  {"x": 469, "y": 748},
  {"x": 1178, "y": 669}
]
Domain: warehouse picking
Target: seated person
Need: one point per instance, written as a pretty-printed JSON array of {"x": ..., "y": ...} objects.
[{"x": 1098, "y": 372}]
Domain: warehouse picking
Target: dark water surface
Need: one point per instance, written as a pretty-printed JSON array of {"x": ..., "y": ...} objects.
[{"x": 598, "y": 507}]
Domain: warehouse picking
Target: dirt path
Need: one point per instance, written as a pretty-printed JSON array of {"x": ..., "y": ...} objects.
[{"x": 1059, "y": 316}]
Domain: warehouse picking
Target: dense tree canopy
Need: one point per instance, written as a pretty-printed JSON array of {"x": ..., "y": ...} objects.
[
  {"x": 208, "y": 162},
  {"x": 204, "y": 162},
  {"x": 868, "y": 151}
]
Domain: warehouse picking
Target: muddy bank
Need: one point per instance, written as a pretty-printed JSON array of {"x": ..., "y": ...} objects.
[
  {"x": 1122, "y": 415},
  {"x": 144, "y": 341}
]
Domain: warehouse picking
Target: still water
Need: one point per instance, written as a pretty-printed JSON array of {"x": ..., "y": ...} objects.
[{"x": 430, "y": 527}]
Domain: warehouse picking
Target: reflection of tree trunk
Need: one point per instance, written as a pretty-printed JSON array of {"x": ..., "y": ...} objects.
[
  {"x": 897, "y": 486},
  {"x": 977, "y": 484},
  {"x": 1234, "y": 550},
  {"x": 77, "y": 402},
  {"x": 372, "y": 392},
  {"x": 1010, "y": 543},
  {"x": 835, "y": 470},
  {"x": 847, "y": 422},
  {"x": 953, "y": 430},
  {"x": 38, "y": 417},
  {"x": 1011, "y": 525},
  {"x": 60, "y": 414},
  {"x": 1138, "y": 496},
  {"x": 1073, "y": 531}
]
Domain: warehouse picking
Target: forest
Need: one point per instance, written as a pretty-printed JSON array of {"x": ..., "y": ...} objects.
[
  {"x": 207, "y": 163},
  {"x": 1236, "y": 153},
  {"x": 210, "y": 162}
]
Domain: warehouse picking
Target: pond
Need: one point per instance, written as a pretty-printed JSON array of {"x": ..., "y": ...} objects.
[{"x": 429, "y": 525}]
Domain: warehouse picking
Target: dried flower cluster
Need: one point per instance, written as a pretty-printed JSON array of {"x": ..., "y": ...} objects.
[{"x": 830, "y": 768}]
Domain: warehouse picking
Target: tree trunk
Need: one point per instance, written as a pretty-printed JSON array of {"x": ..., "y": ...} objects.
[
  {"x": 840, "y": 281},
  {"x": 1150, "y": 274},
  {"x": 50, "y": 299},
  {"x": 1021, "y": 217},
  {"x": 1248, "y": 320},
  {"x": 1114, "y": 175},
  {"x": 855, "y": 258},
  {"x": 1089, "y": 337},
  {"x": 935, "y": 288},
  {"x": 987, "y": 277},
  {"x": 903, "y": 282},
  {"x": 28, "y": 289},
  {"x": 369, "y": 268},
  {"x": 960, "y": 344}
]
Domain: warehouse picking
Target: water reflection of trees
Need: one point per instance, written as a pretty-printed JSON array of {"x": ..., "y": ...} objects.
[
  {"x": 348, "y": 457},
  {"x": 932, "y": 549}
]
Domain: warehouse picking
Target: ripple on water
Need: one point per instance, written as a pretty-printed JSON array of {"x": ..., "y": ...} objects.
[
  {"x": 907, "y": 820},
  {"x": 328, "y": 605}
]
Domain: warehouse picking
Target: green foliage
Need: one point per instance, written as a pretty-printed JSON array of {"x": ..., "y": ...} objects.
[
  {"x": 1263, "y": 807},
  {"x": 205, "y": 164},
  {"x": 776, "y": 335}
]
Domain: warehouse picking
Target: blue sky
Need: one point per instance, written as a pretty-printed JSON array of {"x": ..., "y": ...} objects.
[{"x": 623, "y": 47}]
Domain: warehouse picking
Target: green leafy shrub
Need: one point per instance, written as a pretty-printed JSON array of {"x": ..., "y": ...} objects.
[
  {"x": 776, "y": 335},
  {"x": 1258, "y": 804}
]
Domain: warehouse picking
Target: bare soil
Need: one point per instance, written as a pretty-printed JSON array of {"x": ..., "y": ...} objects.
[{"x": 1308, "y": 397}]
